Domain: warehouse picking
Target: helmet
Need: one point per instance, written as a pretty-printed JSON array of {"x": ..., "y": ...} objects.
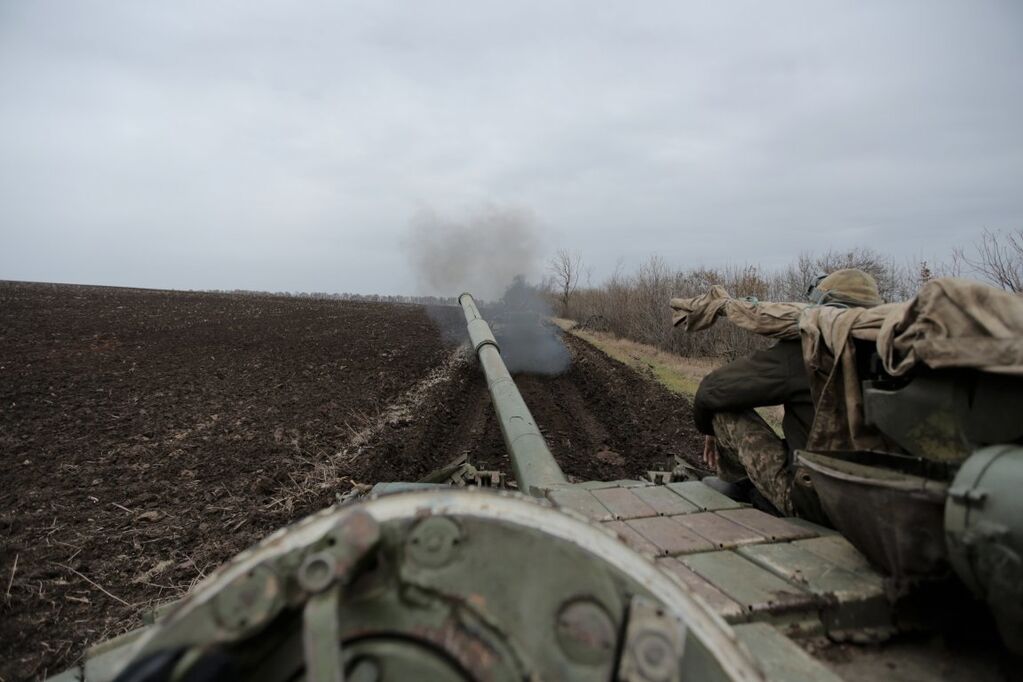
[{"x": 849, "y": 287}]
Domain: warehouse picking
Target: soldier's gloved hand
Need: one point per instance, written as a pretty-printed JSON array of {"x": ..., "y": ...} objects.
[{"x": 710, "y": 453}]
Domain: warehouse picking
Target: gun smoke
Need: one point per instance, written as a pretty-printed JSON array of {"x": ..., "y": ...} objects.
[
  {"x": 529, "y": 342},
  {"x": 490, "y": 253},
  {"x": 479, "y": 253}
]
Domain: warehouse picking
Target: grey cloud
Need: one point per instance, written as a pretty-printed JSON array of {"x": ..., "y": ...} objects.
[{"x": 264, "y": 145}]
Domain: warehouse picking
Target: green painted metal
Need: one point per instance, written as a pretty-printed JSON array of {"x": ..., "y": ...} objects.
[
  {"x": 771, "y": 527},
  {"x": 532, "y": 614},
  {"x": 856, "y": 604},
  {"x": 811, "y": 526},
  {"x": 654, "y": 646},
  {"x": 623, "y": 483},
  {"x": 580, "y": 500},
  {"x": 984, "y": 534},
  {"x": 623, "y": 504},
  {"x": 885, "y": 507},
  {"x": 718, "y": 601},
  {"x": 633, "y": 539},
  {"x": 943, "y": 416},
  {"x": 719, "y": 530},
  {"x": 779, "y": 657},
  {"x": 383, "y": 660},
  {"x": 320, "y": 637},
  {"x": 532, "y": 461},
  {"x": 663, "y": 501},
  {"x": 670, "y": 536},
  {"x": 596, "y": 485},
  {"x": 837, "y": 550},
  {"x": 406, "y": 586},
  {"x": 702, "y": 496},
  {"x": 757, "y": 590}
]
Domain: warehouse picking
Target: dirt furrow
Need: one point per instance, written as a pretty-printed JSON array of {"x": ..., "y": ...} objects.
[
  {"x": 147, "y": 436},
  {"x": 600, "y": 418}
]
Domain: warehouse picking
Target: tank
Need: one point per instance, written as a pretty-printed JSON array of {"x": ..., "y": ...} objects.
[
  {"x": 656, "y": 579},
  {"x": 944, "y": 499}
]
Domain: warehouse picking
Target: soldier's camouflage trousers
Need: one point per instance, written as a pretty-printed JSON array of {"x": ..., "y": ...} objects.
[{"x": 747, "y": 446}]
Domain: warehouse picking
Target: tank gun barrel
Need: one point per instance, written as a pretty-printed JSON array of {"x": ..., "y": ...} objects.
[{"x": 532, "y": 461}]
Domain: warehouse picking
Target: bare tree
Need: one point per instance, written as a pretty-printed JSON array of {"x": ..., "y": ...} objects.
[
  {"x": 566, "y": 269},
  {"x": 924, "y": 274},
  {"x": 634, "y": 305},
  {"x": 894, "y": 282},
  {"x": 997, "y": 257},
  {"x": 952, "y": 268}
]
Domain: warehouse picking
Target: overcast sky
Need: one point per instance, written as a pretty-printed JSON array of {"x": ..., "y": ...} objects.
[{"x": 290, "y": 145}]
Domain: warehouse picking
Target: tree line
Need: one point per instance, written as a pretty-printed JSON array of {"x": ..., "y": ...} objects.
[{"x": 634, "y": 305}]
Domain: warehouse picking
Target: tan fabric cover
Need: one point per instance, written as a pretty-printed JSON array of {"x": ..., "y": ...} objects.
[
  {"x": 776, "y": 320},
  {"x": 950, "y": 323},
  {"x": 955, "y": 323},
  {"x": 852, "y": 287}
]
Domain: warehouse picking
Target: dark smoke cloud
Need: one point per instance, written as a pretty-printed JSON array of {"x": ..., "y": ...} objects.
[
  {"x": 490, "y": 253},
  {"x": 530, "y": 343},
  {"x": 480, "y": 253}
]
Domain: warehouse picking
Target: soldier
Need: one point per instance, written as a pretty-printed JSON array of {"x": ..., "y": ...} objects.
[{"x": 739, "y": 443}]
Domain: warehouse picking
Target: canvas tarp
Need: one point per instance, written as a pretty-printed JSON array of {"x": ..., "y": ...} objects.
[{"x": 950, "y": 323}]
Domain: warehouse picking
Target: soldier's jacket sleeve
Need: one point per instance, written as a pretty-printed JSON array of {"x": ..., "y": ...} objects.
[{"x": 768, "y": 377}]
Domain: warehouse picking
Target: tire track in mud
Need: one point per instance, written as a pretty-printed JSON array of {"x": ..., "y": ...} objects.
[
  {"x": 601, "y": 419},
  {"x": 405, "y": 407}
]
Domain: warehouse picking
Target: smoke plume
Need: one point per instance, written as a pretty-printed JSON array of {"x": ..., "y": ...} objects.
[
  {"x": 479, "y": 253},
  {"x": 490, "y": 253},
  {"x": 530, "y": 343}
]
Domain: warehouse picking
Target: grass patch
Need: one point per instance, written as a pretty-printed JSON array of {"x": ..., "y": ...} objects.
[{"x": 678, "y": 374}]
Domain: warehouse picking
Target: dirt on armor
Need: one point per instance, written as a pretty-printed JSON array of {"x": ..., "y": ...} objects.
[{"x": 147, "y": 436}]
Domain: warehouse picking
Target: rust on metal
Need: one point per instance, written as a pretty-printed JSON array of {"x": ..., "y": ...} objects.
[{"x": 472, "y": 653}]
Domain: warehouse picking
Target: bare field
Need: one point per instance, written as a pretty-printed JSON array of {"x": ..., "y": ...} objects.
[{"x": 147, "y": 436}]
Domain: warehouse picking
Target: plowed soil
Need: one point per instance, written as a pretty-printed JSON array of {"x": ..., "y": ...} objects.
[{"x": 147, "y": 436}]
